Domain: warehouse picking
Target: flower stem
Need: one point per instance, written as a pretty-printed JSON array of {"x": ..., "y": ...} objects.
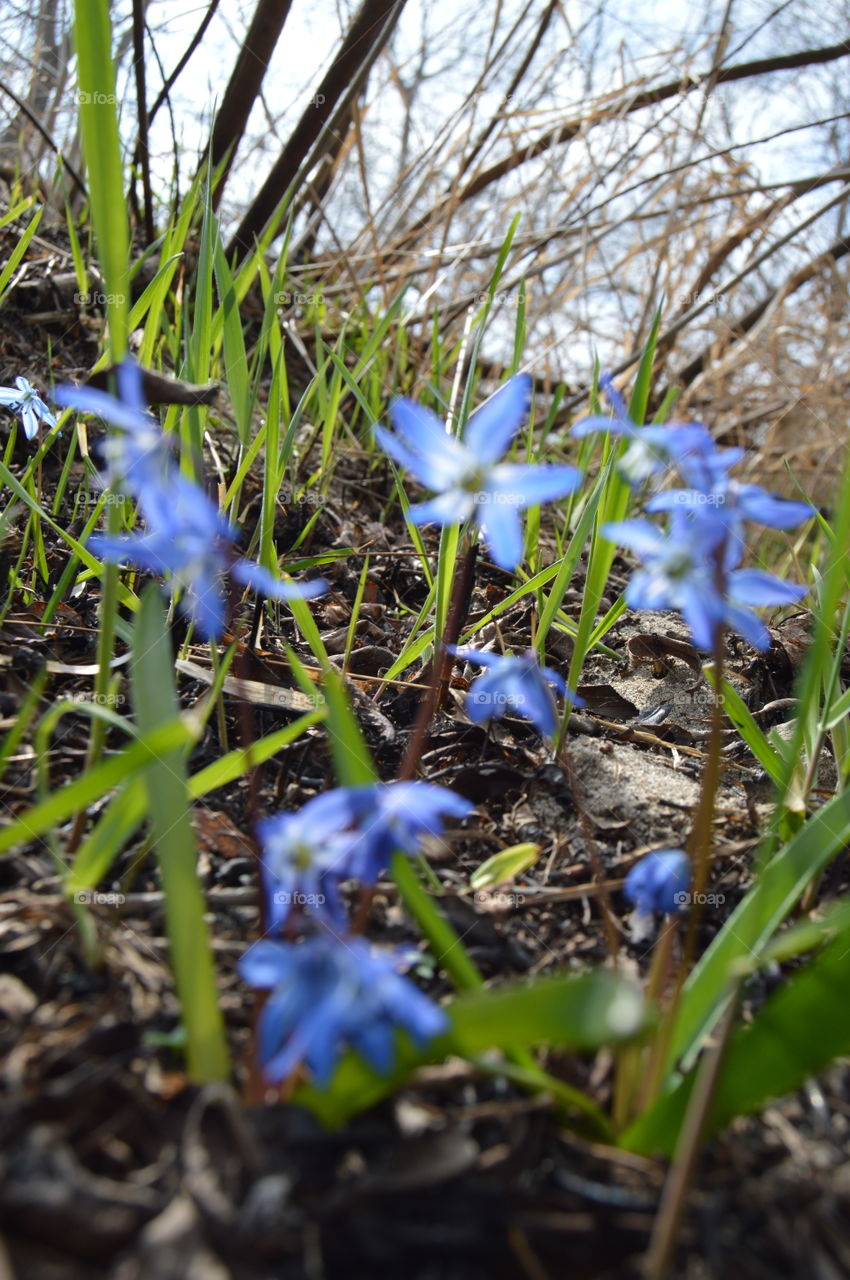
[
  {"x": 440, "y": 665},
  {"x": 700, "y": 844}
]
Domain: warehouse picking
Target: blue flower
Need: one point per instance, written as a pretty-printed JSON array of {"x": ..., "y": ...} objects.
[
  {"x": 468, "y": 477},
  {"x": 652, "y": 447},
  {"x": 25, "y": 400},
  {"x": 686, "y": 569},
  {"x": 660, "y": 882},
  {"x": 728, "y": 504},
  {"x": 140, "y": 458},
  {"x": 327, "y": 994},
  {"x": 349, "y": 833},
  {"x": 394, "y": 817},
  {"x": 191, "y": 541},
  {"x": 515, "y": 685},
  {"x": 305, "y": 855}
]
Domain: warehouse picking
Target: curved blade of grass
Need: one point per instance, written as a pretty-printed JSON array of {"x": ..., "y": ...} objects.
[
  {"x": 18, "y": 252},
  {"x": 123, "y": 817},
  {"x": 803, "y": 1027},
  {"x": 128, "y": 808},
  {"x": 741, "y": 717},
  {"x": 59, "y": 806}
]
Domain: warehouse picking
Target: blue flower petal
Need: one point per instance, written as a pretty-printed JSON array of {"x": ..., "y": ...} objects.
[
  {"x": 596, "y": 423},
  {"x": 753, "y": 586},
  {"x": 260, "y": 579},
  {"x": 502, "y": 530},
  {"x": 660, "y": 882},
  {"x": 452, "y": 507},
  {"x": 638, "y": 535},
  {"x": 527, "y": 485},
  {"x": 748, "y": 625},
  {"x": 491, "y": 428}
]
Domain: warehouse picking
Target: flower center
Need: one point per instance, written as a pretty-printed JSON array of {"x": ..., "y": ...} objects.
[{"x": 474, "y": 481}]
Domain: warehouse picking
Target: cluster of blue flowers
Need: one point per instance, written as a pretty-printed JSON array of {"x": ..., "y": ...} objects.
[
  {"x": 329, "y": 989},
  {"x": 187, "y": 539},
  {"x": 692, "y": 567}
]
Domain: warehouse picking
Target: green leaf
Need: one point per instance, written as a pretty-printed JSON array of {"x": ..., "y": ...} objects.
[
  {"x": 124, "y": 815},
  {"x": 643, "y": 382},
  {"x": 448, "y": 949},
  {"x": 236, "y": 763},
  {"x": 95, "y": 784},
  {"x": 506, "y": 865},
  {"x": 353, "y": 763},
  {"x": 741, "y": 717},
  {"x": 235, "y": 355},
  {"x": 803, "y": 1027},
  {"x": 18, "y": 252}
]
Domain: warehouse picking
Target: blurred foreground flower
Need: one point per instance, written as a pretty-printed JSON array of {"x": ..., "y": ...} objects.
[
  {"x": 651, "y": 448},
  {"x": 193, "y": 543},
  {"x": 660, "y": 882},
  {"x": 328, "y": 994},
  {"x": 140, "y": 457},
  {"x": 516, "y": 685},
  {"x": 23, "y": 399},
  {"x": 468, "y": 476},
  {"x": 348, "y": 833},
  {"x": 189, "y": 539}
]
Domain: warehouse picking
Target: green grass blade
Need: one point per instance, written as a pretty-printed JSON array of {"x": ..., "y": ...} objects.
[
  {"x": 59, "y": 806},
  {"x": 102, "y": 150},
  {"x": 751, "y": 926},
  {"x": 155, "y": 704},
  {"x": 803, "y": 1027}
]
